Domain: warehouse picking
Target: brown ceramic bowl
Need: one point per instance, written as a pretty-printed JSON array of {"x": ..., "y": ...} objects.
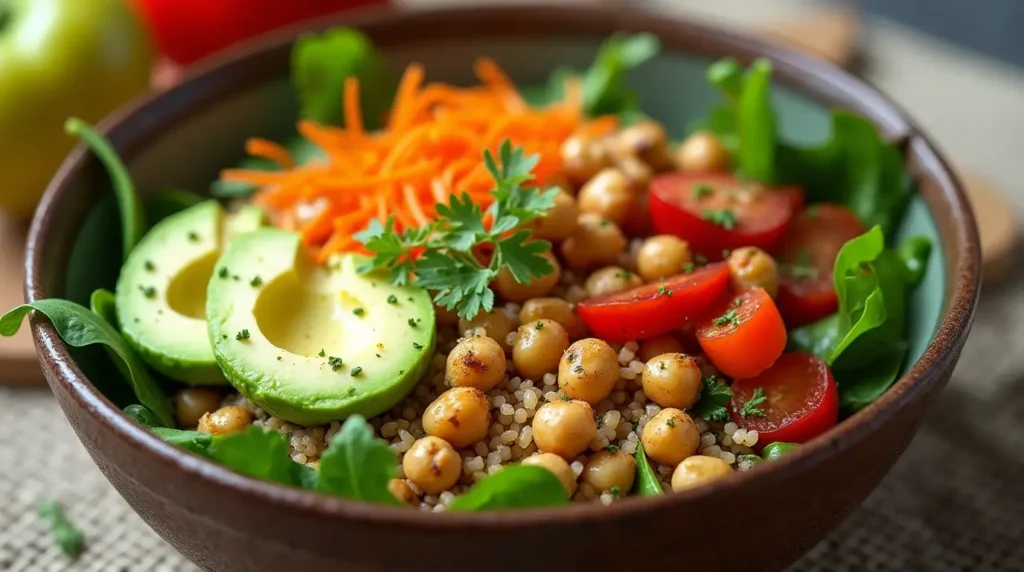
[{"x": 224, "y": 521}]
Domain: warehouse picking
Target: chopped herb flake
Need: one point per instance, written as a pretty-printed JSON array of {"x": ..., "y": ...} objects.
[
  {"x": 243, "y": 335},
  {"x": 392, "y": 299},
  {"x": 278, "y": 358},
  {"x": 615, "y": 490},
  {"x": 604, "y": 222},
  {"x": 714, "y": 399},
  {"x": 664, "y": 291},
  {"x": 359, "y": 311},
  {"x": 256, "y": 281},
  {"x": 701, "y": 190},
  {"x": 578, "y": 369},
  {"x": 412, "y": 323},
  {"x": 539, "y": 325},
  {"x": 322, "y": 353},
  {"x": 193, "y": 236},
  {"x": 612, "y": 448},
  {"x": 566, "y": 397},
  {"x": 149, "y": 265},
  {"x": 753, "y": 406},
  {"x": 335, "y": 363},
  {"x": 724, "y": 218},
  {"x": 148, "y": 291},
  {"x": 624, "y": 274},
  {"x": 670, "y": 422},
  {"x": 223, "y": 272},
  {"x": 737, "y": 302},
  {"x": 688, "y": 267},
  {"x": 726, "y": 319},
  {"x": 356, "y": 371},
  {"x": 417, "y": 346},
  {"x": 64, "y": 533}
]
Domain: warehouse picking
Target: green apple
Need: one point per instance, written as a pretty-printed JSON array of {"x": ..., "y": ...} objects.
[{"x": 60, "y": 58}]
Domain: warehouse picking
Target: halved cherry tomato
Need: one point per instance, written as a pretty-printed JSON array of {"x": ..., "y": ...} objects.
[
  {"x": 806, "y": 259},
  {"x": 802, "y": 400},
  {"x": 795, "y": 196},
  {"x": 744, "y": 336},
  {"x": 716, "y": 212},
  {"x": 656, "y": 308}
]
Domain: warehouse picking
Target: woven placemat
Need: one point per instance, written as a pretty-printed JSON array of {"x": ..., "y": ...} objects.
[{"x": 954, "y": 502}]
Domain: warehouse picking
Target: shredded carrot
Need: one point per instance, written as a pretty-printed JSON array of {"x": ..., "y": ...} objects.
[{"x": 431, "y": 147}]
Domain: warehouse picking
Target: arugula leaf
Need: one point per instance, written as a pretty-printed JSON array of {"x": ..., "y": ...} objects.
[
  {"x": 195, "y": 441},
  {"x": 79, "y": 327},
  {"x": 514, "y": 487},
  {"x": 143, "y": 415},
  {"x": 647, "y": 483},
  {"x": 603, "y": 89},
  {"x": 714, "y": 400},
  {"x": 256, "y": 452},
  {"x": 357, "y": 465},
  {"x": 64, "y": 533}
]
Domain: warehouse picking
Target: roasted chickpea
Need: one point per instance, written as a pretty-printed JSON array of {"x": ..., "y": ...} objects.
[
  {"x": 564, "y": 428},
  {"x": 698, "y": 470},
  {"x": 510, "y": 289},
  {"x": 638, "y": 174},
  {"x": 432, "y": 465},
  {"x": 672, "y": 380},
  {"x": 226, "y": 420},
  {"x": 583, "y": 155},
  {"x": 555, "y": 309},
  {"x": 658, "y": 345},
  {"x": 610, "y": 280},
  {"x": 702, "y": 152},
  {"x": 751, "y": 268},
  {"x": 476, "y": 362},
  {"x": 460, "y": 416},
  {"x": 403, "y": 492},
  {"x": 191, "y": 403},
  {"x": 647, "y": 141},
  {"x": 538, "y": 347},
  {"x": 662, "y": 256},
  {"x": 556, "y": 465},
  {"x": 588, "y": 370},
  {"x": 560, "y": 221},
  {"x": 607, "y": 471},
  {"x": 496, "y": 325},
  {"x": 607, "y": 195},
  {"x": 670, "y": 436},
  {"x": 595, "y": 242}
]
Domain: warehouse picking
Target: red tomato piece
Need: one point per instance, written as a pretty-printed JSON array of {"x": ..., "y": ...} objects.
[
  {"x": 716, "y": 212},
  {"x": 744, "y": 336},
  {"x": 656, "y": 308},
  {"x": 801, "y": 400},
  {"x": 806, "y": 260}
]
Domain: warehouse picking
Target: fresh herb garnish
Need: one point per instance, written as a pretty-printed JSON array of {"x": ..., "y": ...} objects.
[
  {"x": 356, "y": 371},
  {"x": 724, "y": 218},
  {"x": 148, "y": 291},
  {"x": 726, "y": 319},
  {"x": 417, "y": 346},
  {"x": 612, "y": 448},
  {"x": 64, "y": 533},
  {"x": 412, "y": 323},
  {"x": 701, "y": 190},
  {"x": 392, "y": 299},
  {"x": 223, "y": 272},
  {"x": 322, "y": 353},
  {"x": 539, "y": 325},
  {"x": 670, "y": 422},
  {"x": 624, "y": 274},
  {"x": 256, "y": 281},
  {"x": 148, "y": 265},
  {"x": 193, "y": 236},
  {"x": 688, "y": 267},
  {"x": 335, "y": 363},
  {"x": 753, "y": 406},
  {"x": 737, "y": 302},
  {"x": 664, "y": 291},
  {"x": 714, "y": 400},
  {"x": 565, "y": 397},
  {"x": 358, "y": 311},
  {"x": 243, "y": 335},
  {"x": 614, "y": 491}
]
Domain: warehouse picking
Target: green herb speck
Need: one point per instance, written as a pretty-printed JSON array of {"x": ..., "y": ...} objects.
[
  {"x": 670, "y": 422},
  {"x": 149, "y": 265},
  {"x": 664, "y": 291},
  {"x": 566, "y": 397},
  {"x": 417, "y": 346},
  {"x": 223, "y": 272},
  {"x": 700, "y": 259},
  {"x": 278, "y": 358},
  {"x": 356, "y": 371},
  {"x": 753, "y": 407},
  {"x": 335, "y": 363},
  {"x": 243, "y": 335},
  {"x": 612, "y": 448},
  {"x": 148, "y": 291},
  {"x": 359, "y": 311},
  {"x": 193, "y": 236},
  {"x": 412, "y": 323},
  {"x": 322, "y": 353},
  {"x": 688, "y": 267},
  {"x": 701, "y": 190},
  {"x": 256, "y": 281},
  {"x": 724, "y": 218},
  {"x": 539, "y": 325},
  {"x": 392, "y": 299},
  {"x": 67, "y": 537},
  {"x": 727, "y": 318}
]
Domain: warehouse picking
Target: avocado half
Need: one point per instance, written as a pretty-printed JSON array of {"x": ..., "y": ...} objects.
[
  {"x": 311, "y": 344},
  {"x": 161, "y": 291}
]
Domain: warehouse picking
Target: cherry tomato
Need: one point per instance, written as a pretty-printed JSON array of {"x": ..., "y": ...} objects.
[
  {"x": 806, "y": 259},
  {"x": 656, "y": 308},
  {"x": 801, "y": 400},
  {"x": 744, "y": 335},
  {"x": 795, "y": 196},
  {"x": 716, "y": 212}
]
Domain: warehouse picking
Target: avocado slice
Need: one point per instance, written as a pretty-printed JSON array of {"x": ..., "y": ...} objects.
[
  {"x": 161, "y": 291},
  {"x": 312, "y": 344}
]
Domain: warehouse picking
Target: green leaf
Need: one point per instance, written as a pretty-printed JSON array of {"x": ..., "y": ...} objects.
[
  {"x": 514, "y": 487},
  {"x": 133, "y": 219},
  {"x": 195, "y": 441},
  {"x": 67, "y": 537},
  {"x": 256, "y": 452},
  {"x": 79, "y": 327},
  {"x": 465, "y": 222},
  {"x": 143, "y": 415},
  {"x": 162, "y": 204},
  {"x": 603, "y": 86},
  {"x": 647, "y": 483},
  {"x": 714, "y": 401},
  {"x": 357, "y": 465},
  {"x": 915, "y": 252},
  {"x": 523, "y": 257},
  {"x": 755, "y": 120}
]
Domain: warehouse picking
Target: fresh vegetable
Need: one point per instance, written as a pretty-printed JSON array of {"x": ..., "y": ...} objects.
[
  {"x": 717, "y": 212},
  {"x": 64, "y": 532},
  {"x": 774, "y": 451},
  {"x": 714, "y": 400},
  {"x": 655, "y": 308},
  {"x": 357, "y": 465},
  {"x": 647, "y": 483},
  {"x": 794, "y": 400},
  {"x": 515, "y": 487},
  {"x": 743, "y": 335},
  {"x": 256, "y": 452}
]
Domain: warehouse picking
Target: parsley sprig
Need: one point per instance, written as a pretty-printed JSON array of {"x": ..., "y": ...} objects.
[
  {"x": 714, "y": 400},
  {"x": 447, "y": 265},
  {"x": 754, "y": 406}
]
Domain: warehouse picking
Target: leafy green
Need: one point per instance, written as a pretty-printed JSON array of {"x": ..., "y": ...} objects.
[
  {"x": 143, "y": 415},
  {"x": 647, "y": 483},
  {"x": 78, "y": 327},
  {"x": 162, "y": 204},
  {"x": 357, "y": 465},
  {"x": 714, "y": 400},
  {"x": 64, "y": 533},
  {"x": 753, "y": 407},
  {"x": 603, "y": 86},
  {"x": 195, "y": 441},
  {"x": 514, "y": 487},
  {"x": 448, "y": 265},
  {"x": 256, "y": 452}
]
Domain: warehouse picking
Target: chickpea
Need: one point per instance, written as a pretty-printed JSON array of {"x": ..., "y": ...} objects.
[
  {"x": 670, "y": 436},
  {"x": 432, "y": 465},
  {"x": 555, "y": 309},
  {"x": 564, "y": 428},
  {"x": 672, "y": 380},
  {"x": 583, "y": 155},
  {"x": 702, "y": 152},
  {"x": 539, "y": 346},
  {"x": 588, "y": 370},
  {"x": 611, "y": 280},
  {"x": 460, "y": 416},
  {"x": 475, "y": 362},
  {"x": 647, "y": 141},
  {"x": 556, "y": 465},
  {"x": 560, "y": 221},
  {"x": 496, "y": 325},
  {"x": 403, "y": 492},
  {"x": 658, "y": 345},
  {"x": 607, "y": 194},
  {"x": 595, "y": 242},
  {"x": 510, "y": 289},
  {"x": 698, "y": 470},
  {"x": 751, "y": 268},
  {"x": 638, "y": 174},
  {"x": 606, "y": 470},
  {"x": 226, "y": 420},
  {"x": 662, "y": 256},
  {"x": 191, "y": 403}
]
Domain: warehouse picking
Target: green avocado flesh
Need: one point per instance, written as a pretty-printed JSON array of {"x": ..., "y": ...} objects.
[
  {"x": 312, "y": 344},
  {"x": 161, "y": 292}
]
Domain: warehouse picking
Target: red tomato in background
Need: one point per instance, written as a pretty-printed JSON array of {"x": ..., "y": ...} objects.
[
  {"x": 806, "y": 260},
  {"x": 656, "y": 308},
  {"x": 744, "y": 335},
  {"x": 802, "y": 400},
  {"x": 187, "y": 30},
  {"x": 747, "y": 213}
]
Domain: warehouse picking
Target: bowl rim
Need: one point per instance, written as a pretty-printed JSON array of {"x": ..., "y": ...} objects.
[{"x": 137, "y": 123}]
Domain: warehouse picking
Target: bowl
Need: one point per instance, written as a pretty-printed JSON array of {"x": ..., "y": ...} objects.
[{"x": 757, "y": 520}]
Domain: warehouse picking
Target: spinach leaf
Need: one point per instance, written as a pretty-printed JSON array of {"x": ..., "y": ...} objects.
[
  {"x": 133, "y": 220},
  {"x": 64, "y": 533},
  {"x": 143, "y": 415},
  {"x": 78, "y": 327},
  {"x": 195, "y": 441},
  {"x": 647, "y": 484},
  {"x": 162, "y": 204},
  {"x": 357, "y": 465},
  {"x": 514, "y": 487},
  {"x": 256, "y": 452}
]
